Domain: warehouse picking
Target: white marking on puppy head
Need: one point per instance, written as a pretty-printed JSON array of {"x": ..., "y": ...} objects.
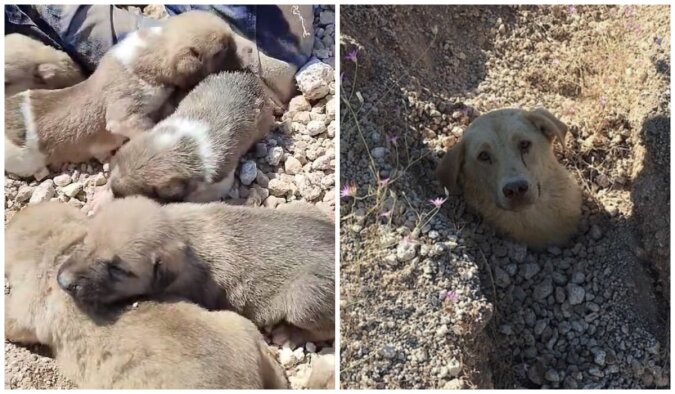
[
  {"x": 198, "y": 131},
  {"x": 126, "y": 50}
]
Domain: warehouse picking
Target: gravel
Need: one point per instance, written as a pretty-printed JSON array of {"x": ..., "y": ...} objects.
[
  {"x": 285, "y": 166},
  {"x": 592, "y": 314}
]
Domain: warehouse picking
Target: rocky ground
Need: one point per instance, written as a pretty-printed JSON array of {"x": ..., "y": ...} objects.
[
  {"x": 295, "y": 162},
  {"x": 432, "y": 298}
]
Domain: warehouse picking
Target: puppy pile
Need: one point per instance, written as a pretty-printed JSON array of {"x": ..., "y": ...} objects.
[{"x": 138, "y": 280}]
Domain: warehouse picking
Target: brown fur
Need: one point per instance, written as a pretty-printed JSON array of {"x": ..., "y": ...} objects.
[
  {"x": 173, "y": 344},
  {"x": 166, "y": 163},
  {"x": 120, "y": 99},
  {"x": 30, "y": 64},
  {"x": 270, "y": 266},
  {"x": 548, "y": 212}
]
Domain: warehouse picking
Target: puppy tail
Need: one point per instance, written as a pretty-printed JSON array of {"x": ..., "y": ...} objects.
[{"x": 274, "y": 376}]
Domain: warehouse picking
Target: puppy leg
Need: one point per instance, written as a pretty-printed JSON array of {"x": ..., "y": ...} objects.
[
  {"x": 102, "y": 196},
  {"x": 120, "y": 119},
  {"x": 207, "y": 192}
]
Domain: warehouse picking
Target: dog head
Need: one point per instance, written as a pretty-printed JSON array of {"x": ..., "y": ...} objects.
[
  {"x": 131, "y": 249},
  {"x": 189, "y": 47},
  {"x": 503, "y": 155},
  {"x": 29, "y": 64},
  {"x": 155, "y": 165}
]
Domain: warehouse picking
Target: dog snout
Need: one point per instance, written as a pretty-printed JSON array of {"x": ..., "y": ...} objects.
[{"x": 515, "y": 189}]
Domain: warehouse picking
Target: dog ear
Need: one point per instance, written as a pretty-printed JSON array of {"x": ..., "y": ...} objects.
[
  {"x": 46, "y": 71},
  {"x": 163, "y": 273},
  {"x": 188, "y": 65},
  {"x": 548, "y": 124},
  {"x": 450, "y": 167}
]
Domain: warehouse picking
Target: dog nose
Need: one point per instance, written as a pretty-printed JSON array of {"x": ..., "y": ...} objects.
[
  {"x": 515, "y": 189},
  {"x": 66, "y": 280}
]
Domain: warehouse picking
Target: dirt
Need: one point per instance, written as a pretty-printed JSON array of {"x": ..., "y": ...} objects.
[{"x": 422, "y": 75}]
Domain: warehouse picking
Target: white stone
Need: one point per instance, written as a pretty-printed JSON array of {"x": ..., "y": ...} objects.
[
  {"x": 316, "y": 127},
  {"x": 274, "y": 155},
  {"x": 43, "y": 192},
  {"x": 314, "y": 79},
  {"x": 62, "y": 180},
  {"x": 292, "y": 165},
  {"x": 72, "y": 189}
]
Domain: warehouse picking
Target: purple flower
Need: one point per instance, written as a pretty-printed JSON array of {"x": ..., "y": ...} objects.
[
  {"x": 658, "y": 40},
  {"x": 437, "y": 202},
  {"x": 571, "y": 9},
  {"x": 348, "y": 190},
  {"x": 351, "y": 55},
  {"x": 383, "y": 182},
  {"x": 387, "y": 214},
  {"x": 451, "y": 296},
  {"x": 392, "y": 138}
]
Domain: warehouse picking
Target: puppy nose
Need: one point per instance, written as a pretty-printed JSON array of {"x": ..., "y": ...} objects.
[
  {"x": 66, "y": 280},
  {"x": 515, "y": 189}
]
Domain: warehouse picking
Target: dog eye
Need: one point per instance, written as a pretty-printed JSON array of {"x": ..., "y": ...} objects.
[
  {"x": 525, "y": 146},
  {"x": 194, "y": 53},
  {"x": 484, "y": 156}
]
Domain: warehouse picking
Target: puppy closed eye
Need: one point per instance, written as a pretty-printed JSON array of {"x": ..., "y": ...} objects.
[
  {"x": 115, "y": 270},
  {"x": 484, "y": 157},
  {"x": 524, "y": 146}
]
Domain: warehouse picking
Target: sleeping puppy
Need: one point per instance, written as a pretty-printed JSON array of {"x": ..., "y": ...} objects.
[
  {"x": 270, "y": 266},
  {"x": 192, "y": 155},
  {"x": 172, "y": 344},
  {"x": 30, "y": 64},
  {"x": 121, "y": 99},
  {"x": 505, "y": 166}
]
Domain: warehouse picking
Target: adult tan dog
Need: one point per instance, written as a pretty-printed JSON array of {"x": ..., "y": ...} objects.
[
  {"x": 505, "y": 166},
  {"x": 172, "y": 344},
  {"x": 270, "y": 265},
  {"x": 122, "y": 98}
]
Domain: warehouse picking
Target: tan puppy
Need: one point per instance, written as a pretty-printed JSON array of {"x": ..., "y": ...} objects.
[
  {"x": 271, "y": 266},
  {"x": 122, "y": 98},
  {"x": 30, "y": 64},
  {"x": 505, "y": 166},
  {"x": 152, "y": 345},
  {"x": 192, "y": 155}
]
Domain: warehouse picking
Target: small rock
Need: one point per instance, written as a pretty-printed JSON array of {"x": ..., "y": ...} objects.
[
  {"x": 454, "y": 367},
  {"x": 100, "y": 180},
  {"x": 292, "y": 165},
  {"x": 596, "y": 233},
  {"x": 299, "y": 104},
  {"x": 274, "y": 156},
  {"x": 314, "y": 79},
  {"x": 62, "y": 180},
  {"x": 43, "y": 192},
  {"x": 406, "y": 250},
  {"x": 316, "y": 127},
  {"x": 24, "y": 193},
  {"x": 326, "y": 17},
  {"x": 378, "y": 152},
  {"x": 552, "y": 375},
  {"x": 388, "y": 352},
  {"x": 248, "y": 172},
  {"x": 72, "y": 189},
  {"x": 575, "y": 294}
]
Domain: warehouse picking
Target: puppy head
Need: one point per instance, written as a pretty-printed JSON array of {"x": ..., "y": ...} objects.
[
  {"x": 158, "y": 167},
  {"x": 33, "y": 252},
  {"x": 503, "y": 156},
  {"x": 195, "y": 44},
  {"x": 131, "y": 249},
  {"x": 29, "y": 64}
]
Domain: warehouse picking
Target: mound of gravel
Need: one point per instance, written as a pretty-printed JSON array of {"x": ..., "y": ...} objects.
[
  {"x": 296, "y": 161},
  {"x": 440, "y": 301}
]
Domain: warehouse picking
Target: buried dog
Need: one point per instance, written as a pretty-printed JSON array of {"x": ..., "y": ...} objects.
[
  {"x": 172, "y": 344},
  {"x": 274, "y": 267},
  {"x": 505, "y": 166},
  {"x": 192, "y": 155},
  {"x": 122, "y": 98}
]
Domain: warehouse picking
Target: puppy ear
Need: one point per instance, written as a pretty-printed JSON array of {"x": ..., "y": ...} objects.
[
  {"x": 449, "y": 169},
  {"x": 548, "y": 124},
  {"x": 174, "y": 190},
  {"x": 163, "y": 274},
  {"x": 188, "y": 64},
  {"x": 46, "y": 71}
]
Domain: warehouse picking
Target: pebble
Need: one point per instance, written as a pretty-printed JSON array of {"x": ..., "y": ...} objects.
[
  {"x": 72, "y": 189},
  {"x": 292, "y": 165},
  {"x": 274, "y": 155},
  {"x": 43, "y": 192},
  {"x": 62, "y": 180},
  {"x": 454, "y": 367},
  {"x": 406, "y": 251},
  {"x": 314, "y": 79},
  {"x": 24, "y": 194},
  {"x": 316, "y": 127},
  {"x": 248, "y": 172},
  {"x": 575, "y": 294}
]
